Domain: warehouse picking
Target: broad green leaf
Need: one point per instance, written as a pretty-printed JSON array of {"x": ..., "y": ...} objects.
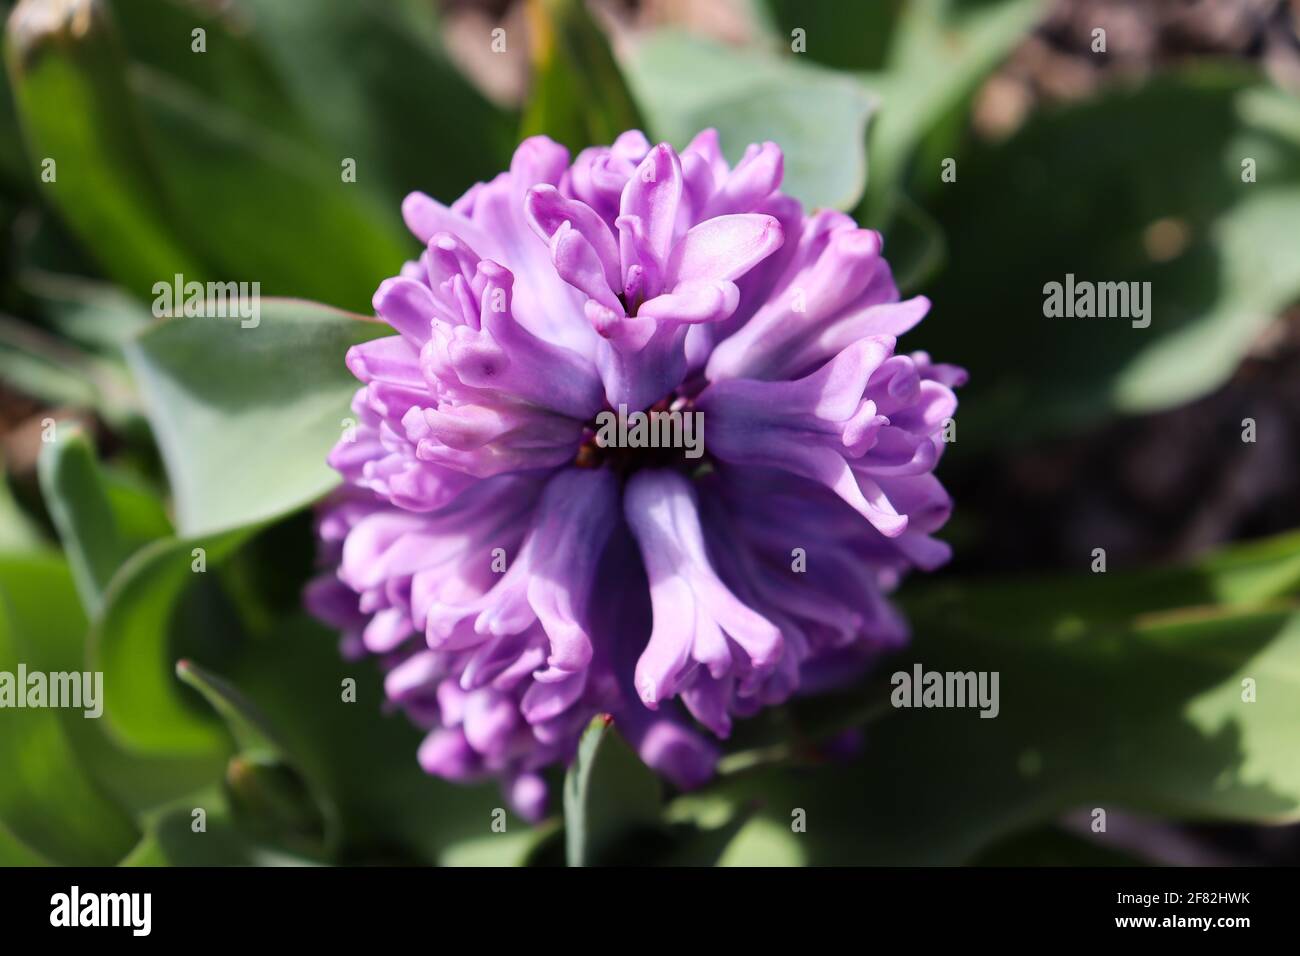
[
  {"x": 818, "y": 118},
  {"x": 132, "y": 643},
  {"x": 49, "y": 803},
  {"x": 173, "y": 162},
  {"x": 264, "y": 783},
  {"x": 361, "y": 760},
  {"x": 1253, "y": 573},
  {"x": 1088, "y": 191},
  {"x": 401, "y": 109},
  {"x": 254, "y": 739},
  {"x": 701, "y": 841},
  {"x": 258, "y": 182},
  {"x": 96, "y": 315},
  {"x": 577, "y": 96},
  {"x": 358, "y": 761},
  {"x": 1152, "y": 721},
  {"x": 176, "y": 836},
  {"x": 68, "y": 75},
  {"x": 609, "y": 794},
  {"x": 13, "y": 852},
  {"x": 1115, "y": 691},
  {"x": 767, "y": 841},
  {"x": 1053, "y": 846},
  {"x": 843, "y": 36},
  {"x": 137, "y": 509},
  {"x": 59, "y": 373},
  {"x": 78, "y": 502},
  {"x": 244, "y": 417},
  {"x": 1245, "y": 576},
  {"x": 916, "y": 248},
  {"x": 42, "y": 379},
  {"x": 266, "y": 208},
  {"x": 939, "y": 51},
  {"x": 510, "y": 848},
  {"x": 231, "y": 71},
  {"x": 41, "y": 591},
  {"x": 172, "y": 836},
  {"x": 78, "y": 362}
]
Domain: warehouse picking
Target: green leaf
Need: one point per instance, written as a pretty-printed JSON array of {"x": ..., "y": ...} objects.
[
  {"x": 701, "y": 837},
  {"x": 1253, "y": 573},
  {"x": 265, "y": 784},
  {"x": 13, "y": 852},
  {"x": 817, "y": 117},
  {"x": 359, "y": 759},
  {"x": 1218, "y": 252},
  {"x": 398, "y": 106},
  {"x": 268, "y": 209},
  {"x": 57, "y": 372},
  {"x": 132, "y": 644},
  {"x": 578, "y": 96},
  {"x": 1115, "y": 691},
  {"x": 232, "y": 73},
  {"x": 49, "y": 803},
  {"x": 174, "y": 162},
  {"x": 137, "y": 509},
  {"x": 78, "y": 503},
  {"x": 358, "y": 762},
  {"x": 38, "y": 375},
  {"x": 1245, "y": 576},
  {"x": 96, "y": 315},
  {"x": 170, "y": 837},
  {"x": 254, "y": 739},
  {"x": 917, "y": 248},
  {"x": 42, "y": 594},
  {"x": 68, "y": 74},
  {"x": 767, "y": 841},
  {"x": 1052, "y": 846},
  {"x": 843, "y": 36},
  {"x": 256, "y": 183},
  {"x": 939, "y": 51},
  {"x": 173, "y": 837},
  {"x": 609, "y": 794},
  {"x": 244, "y": 417},
  {"x": 511, "y": 848}
]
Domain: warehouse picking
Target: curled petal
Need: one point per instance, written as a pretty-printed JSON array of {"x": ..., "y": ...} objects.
[
  {"x": 723, "y": 248},
  {"x": 548, "y": 209},
  {"x": 697, "y": 620},
  {"x": 648, "y": 214}
]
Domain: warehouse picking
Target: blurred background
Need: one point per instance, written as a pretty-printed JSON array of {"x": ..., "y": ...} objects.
[{"x": 1154, "y": 141}]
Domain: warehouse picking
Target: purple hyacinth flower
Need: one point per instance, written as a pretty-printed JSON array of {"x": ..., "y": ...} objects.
[{"x": 516, "y": 571}]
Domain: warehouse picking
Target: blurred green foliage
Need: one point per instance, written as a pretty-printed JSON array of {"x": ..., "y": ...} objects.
[{"x": 1121, "y": 689}]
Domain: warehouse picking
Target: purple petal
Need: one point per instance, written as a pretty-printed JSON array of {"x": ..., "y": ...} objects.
[{"x": 724, "y": 248}]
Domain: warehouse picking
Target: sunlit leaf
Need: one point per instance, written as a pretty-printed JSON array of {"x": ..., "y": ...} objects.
[
  {"x": 817, "y": 117},
  {"x": 245, "y": 416}
]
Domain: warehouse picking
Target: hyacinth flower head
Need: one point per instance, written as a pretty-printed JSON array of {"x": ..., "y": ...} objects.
[{"x": 516, "y": 572}]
